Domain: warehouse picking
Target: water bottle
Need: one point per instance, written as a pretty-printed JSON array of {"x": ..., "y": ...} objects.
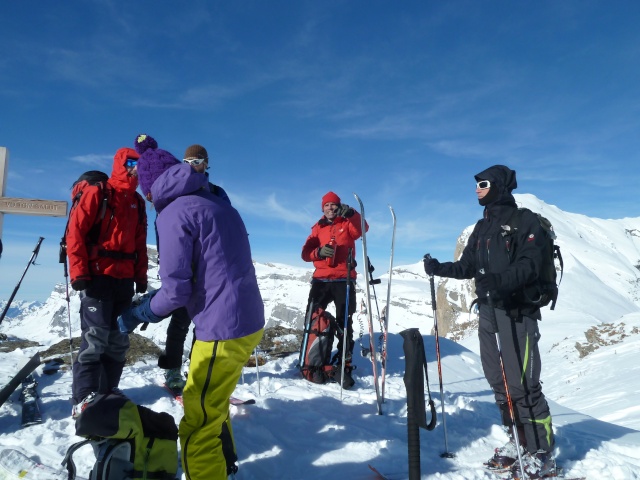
[{"x": 331, "y": 261}]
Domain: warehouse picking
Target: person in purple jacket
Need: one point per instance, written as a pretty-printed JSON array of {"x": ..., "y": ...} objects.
[{"x": 208, "y": 270}]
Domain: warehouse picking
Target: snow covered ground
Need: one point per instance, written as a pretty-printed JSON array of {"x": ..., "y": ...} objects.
[{"x": 301, "y": 430}]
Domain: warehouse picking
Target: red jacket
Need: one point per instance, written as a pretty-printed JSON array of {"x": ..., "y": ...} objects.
[
  {"x": 123, "y": 229},
  {"x": 346, "y": 231}
]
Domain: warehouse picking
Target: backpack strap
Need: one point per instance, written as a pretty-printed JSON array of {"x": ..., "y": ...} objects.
[
  {"x": 513, "y": 224},
  {"x": 94, "y": 233},
  {"x": 68, "y": 462}
]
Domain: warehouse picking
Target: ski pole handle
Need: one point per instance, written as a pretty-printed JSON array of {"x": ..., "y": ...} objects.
[{"x": 433, "y": 292}]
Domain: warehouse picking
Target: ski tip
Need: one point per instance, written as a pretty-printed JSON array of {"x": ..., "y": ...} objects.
[{"x": 379, "y": 474}]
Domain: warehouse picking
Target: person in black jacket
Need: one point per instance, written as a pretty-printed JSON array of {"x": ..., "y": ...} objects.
[{"x": 502, "y": 266}]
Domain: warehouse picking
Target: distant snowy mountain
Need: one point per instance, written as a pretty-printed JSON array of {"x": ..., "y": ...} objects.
[{"x": 18, "y": 308}]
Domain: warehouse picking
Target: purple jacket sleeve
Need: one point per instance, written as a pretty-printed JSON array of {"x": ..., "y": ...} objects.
[{"x": 176, "y": 247}]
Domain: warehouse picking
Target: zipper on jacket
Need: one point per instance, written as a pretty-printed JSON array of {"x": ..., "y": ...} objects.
[{"x": 488, "y": 251}]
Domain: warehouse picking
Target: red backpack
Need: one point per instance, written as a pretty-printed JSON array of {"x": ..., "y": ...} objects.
[{"x": 317, "y": 366}]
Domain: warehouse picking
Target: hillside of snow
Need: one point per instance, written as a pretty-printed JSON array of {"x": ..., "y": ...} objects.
[{"x": 590, "y": 350}]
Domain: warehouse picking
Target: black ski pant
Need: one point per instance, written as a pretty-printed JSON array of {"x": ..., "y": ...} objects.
[
  {"x": 100, "y": 360},
  {"x": 324, "y": 292},
  {"x": 519, "y": 346},
  {"x": 176, "y": 336}
]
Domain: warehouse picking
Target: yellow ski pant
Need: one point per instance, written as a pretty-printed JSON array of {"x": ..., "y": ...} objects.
[{"x": 213, "y": 374}]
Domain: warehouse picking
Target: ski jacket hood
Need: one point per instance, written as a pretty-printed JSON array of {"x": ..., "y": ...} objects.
[
  {"x": 503, "y": 180},
  {"x": 120, "y": 178},
  {"x": 175, "y": 182}
]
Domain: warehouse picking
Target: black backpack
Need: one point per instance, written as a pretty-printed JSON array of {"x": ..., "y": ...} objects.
[
  {"x": 545, "y": 290},
  {"x": 92, "y": 177}
]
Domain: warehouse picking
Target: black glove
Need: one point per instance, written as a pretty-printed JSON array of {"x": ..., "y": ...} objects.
[
  {"x": 345, "y": 211},
  {"x": 431, "y": 265},
  {"x": 141, "y": 287},
  {"x": 326, "y": 251},
  {"x": 489, "y": 282},
  {"x": 80, "y": 284}
]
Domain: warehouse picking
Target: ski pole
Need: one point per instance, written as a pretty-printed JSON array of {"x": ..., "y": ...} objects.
[
  {"x": 255, "y": 353},
  {"x": 305, "y": 334},
  {"x": 345, "y": 328},
  {"x": 15, "y": 290},
  {"x": 446, "y": 453},
  {"x": 68, "y": 299},
  {"x": 494, "y": 322}
]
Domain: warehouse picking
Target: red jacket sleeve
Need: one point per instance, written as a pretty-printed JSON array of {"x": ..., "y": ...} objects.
[
  {"x": 310, "y": 247},
  {"x": 355, "y": 225}
]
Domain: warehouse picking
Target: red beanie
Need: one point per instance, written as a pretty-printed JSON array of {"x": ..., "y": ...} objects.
[{"x": 330, "y": 197}]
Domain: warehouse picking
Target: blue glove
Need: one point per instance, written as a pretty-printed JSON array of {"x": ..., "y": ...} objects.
[{"x": 134, "y": 315}]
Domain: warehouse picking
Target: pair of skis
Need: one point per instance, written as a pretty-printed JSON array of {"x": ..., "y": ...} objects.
[{"x": 378, "y": 380}]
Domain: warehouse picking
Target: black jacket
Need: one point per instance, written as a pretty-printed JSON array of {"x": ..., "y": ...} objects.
[{"x": 515, "y": 258}]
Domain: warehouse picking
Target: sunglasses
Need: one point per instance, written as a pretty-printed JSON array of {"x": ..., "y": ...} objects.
[
  {"x": 130, "y": 163},
  {"x": 194, "y": 161},
  {"x": 482, "y": 184}
]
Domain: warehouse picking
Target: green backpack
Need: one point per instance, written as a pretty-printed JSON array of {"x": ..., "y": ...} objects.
[{"x": 130, "y": 441}]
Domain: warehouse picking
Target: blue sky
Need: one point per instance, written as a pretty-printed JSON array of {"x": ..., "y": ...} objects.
[{"x": 400, "y": 102}]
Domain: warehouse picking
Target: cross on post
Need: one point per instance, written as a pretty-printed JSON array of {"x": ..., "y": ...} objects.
[{"x": 25, "y": 206}]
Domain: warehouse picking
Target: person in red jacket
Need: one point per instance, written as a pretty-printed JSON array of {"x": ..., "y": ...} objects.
[
  {"x": 104, "y": 273},
  {"x": 328, "y": 248}
]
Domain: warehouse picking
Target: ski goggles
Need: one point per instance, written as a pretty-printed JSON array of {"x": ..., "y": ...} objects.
[
  {"x": 131, "y": 162},
  {"x": 194, "y": 161},
  {"x": 483, "y": 184}
]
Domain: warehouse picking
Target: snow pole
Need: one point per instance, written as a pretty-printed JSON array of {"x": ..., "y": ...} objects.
[
  {"x": 385, "y": 310},
  {"x": 345, "y": 326},
  {"x": 512, "y": 414},
  {"x": 15, "y": 290},
  {"x": 446, "y": 453}
]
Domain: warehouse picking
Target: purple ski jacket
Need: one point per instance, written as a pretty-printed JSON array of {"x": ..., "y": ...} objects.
[{"x": 205, "y": 260}]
